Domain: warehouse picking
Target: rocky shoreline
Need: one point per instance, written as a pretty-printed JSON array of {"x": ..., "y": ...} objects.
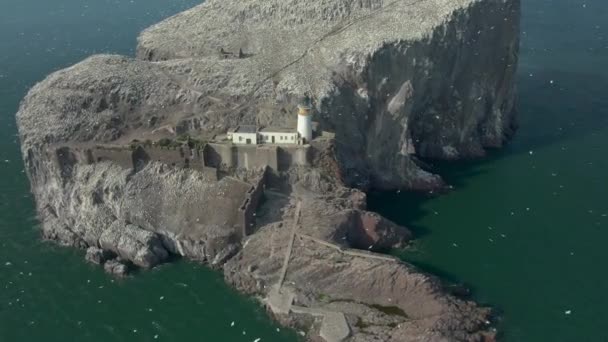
[{"x": 394, "y": 80}]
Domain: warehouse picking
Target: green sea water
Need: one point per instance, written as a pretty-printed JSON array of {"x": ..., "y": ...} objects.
[
  {"x": 525, "y": 228},
  {"x": 48, "y": 293}
]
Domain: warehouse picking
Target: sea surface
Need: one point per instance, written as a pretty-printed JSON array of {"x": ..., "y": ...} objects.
[
  {"x": 525, "y": 228},
  {"x": 48, "y": 293}
]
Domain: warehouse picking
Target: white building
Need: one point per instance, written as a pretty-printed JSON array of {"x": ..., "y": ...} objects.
[
  {"x": 276, "y": 135},
  {"x": 250, "y": 135},
  {"x": 244, "y": 135}
]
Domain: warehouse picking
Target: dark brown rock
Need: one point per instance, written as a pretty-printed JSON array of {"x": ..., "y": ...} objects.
[{"x": 373, "y": 232}]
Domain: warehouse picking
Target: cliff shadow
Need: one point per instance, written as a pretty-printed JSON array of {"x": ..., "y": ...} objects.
[
  {"x": 449, "y": 281},
  {"x": 407, "y": 208},
  {"x": 574, "y": 106},
  {"x": 403, "y": 208},
  {"x": 140, "y": 158}
]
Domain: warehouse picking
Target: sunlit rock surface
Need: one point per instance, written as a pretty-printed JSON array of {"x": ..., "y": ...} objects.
[{"x": 395, "y": 81}]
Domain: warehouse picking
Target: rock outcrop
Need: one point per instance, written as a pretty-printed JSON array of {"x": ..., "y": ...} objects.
[
  {"x": 98, "y": 256},
  {"x": 116, "y": 267},
  {"x": 130, "y": 242},
  {"x": 394, "y": 80},
  {"x": 382, "y": 300}
]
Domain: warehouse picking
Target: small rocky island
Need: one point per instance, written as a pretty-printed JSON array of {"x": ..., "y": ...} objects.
[{"x": 245, "y": 134}]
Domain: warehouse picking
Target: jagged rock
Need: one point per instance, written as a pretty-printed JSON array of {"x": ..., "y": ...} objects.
[
  {"x": 391, "y": 300},
  {"x": 391, "y": 78},
  {"x": 367, "y": 230},
  {"x": 98, "y": 256},
  {"x": 116, "y": 267},
  {"x": 141, "y": 247},
  {"x": 394, "y": 80}
]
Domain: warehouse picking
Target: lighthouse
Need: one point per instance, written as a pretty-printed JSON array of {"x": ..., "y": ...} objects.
[{"x": 305, "y": 120}]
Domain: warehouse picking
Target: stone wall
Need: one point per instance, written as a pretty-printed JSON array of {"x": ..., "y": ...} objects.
[
  {"x": 250, "y": 204},
  {"x": 118, "y": 155},
  {"x": 207, "y": 160},
  {"x": 267, "y": 155},
  {"x": 217, "y": 155},
  {"x": 175, "y": 156},
  {"x": 137, "y": 158},
  {"x": 293, "y": 156},
  {"x": 277, "y": 157}
]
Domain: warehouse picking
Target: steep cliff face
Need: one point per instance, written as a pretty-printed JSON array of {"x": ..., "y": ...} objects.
[
  {"x": 447, "y": 96},
  {"x": 395, "y": 80},
  {"x": 140, "y": 216}
]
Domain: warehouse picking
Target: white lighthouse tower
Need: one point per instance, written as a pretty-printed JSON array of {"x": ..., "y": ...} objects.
[{"x": 305, "y": 120}]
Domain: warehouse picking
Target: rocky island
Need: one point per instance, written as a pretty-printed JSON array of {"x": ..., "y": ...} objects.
[{"x": 138, "y": 159}]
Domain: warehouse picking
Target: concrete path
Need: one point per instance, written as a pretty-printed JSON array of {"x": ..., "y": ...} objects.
[
  {"x": 334, "y": 327},
  {"x": 280, "y": 300},
  {"x": 350, "y": 251},
  {"x": 290, "y": 245}
]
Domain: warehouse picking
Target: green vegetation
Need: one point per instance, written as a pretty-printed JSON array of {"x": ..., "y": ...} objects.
[
  {"x": 168, "y": 143},
  {"x": 180, "y": 141},
  {"x": 196, "y": 144},
  {"x": 164, "y": 142},
  {"x": 183, "y": 137},
  {"x": 134, "y": 143},
  {"x": 193, "y": 143},
  {"x": 322, "y": 297},
  {"x": 175, "y": 144},
  {"x": 389, "y": 310},
  {"x": 361, "y": 324}
]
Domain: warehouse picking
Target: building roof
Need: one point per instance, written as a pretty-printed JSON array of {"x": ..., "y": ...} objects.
[
  {"x": 246, "y": 129},
  {"x": 278, "y": 130}
]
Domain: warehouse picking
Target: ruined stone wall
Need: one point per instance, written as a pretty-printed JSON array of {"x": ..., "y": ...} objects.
[
  {"x": 118, "y": 155},
  {"x": 208, "y": 159},
  {"x": 130, "y": 158},
  {"x": 250, "y": 204},
  {"x": 178, "y": 156}
]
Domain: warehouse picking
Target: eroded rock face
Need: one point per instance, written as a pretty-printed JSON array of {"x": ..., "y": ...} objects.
[
  {"x": 382, "y": 300},
  {"x": 116, "y": 267},
  {"x": 98, "y": 256},
  {"x": 130, "y": 242},
  {"x": 373, "y": 232},
  {"x": 394, "y": 80}
]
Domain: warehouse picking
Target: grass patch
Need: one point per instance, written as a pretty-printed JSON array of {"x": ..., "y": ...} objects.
[{"x": 389, "y": 310}]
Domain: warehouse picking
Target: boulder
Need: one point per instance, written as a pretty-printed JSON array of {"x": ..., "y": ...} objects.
[
  {"x": 98, "y": 256},
  {"x": 116, "y": 267},
  {"x": 373, "y": 232},
  {"x": 141, "y": 247}
]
